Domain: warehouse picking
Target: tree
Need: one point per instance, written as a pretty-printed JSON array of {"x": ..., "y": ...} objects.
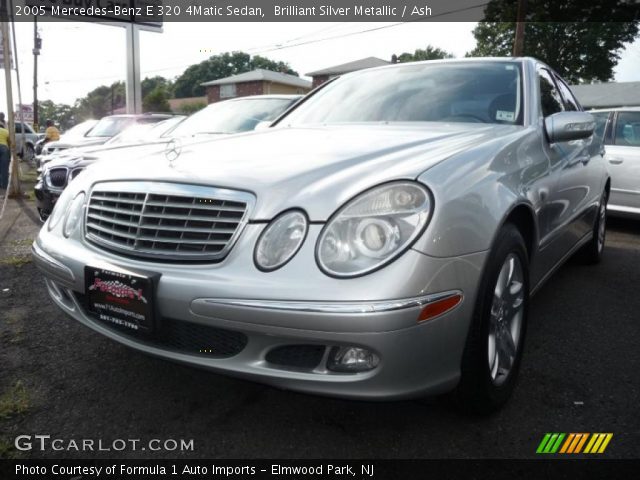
[
  {"x": 156, "y": 100},
  {"x": 151, "y": 83},
  {"x": 429, "y": 53},
  {"x": 62, "y": 114},
  {"x": 190, "y": 108},
  {"x": 580, "y": 50},
  {"x": 102, "y": 101},
  {"x": 220, "y": 66}
]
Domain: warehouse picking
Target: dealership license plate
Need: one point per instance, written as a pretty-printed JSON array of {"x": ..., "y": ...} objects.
[{"x": 121, "y": 299}]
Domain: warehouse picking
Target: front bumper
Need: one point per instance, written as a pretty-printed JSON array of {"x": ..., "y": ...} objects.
[{"x": 294, "y": 306}]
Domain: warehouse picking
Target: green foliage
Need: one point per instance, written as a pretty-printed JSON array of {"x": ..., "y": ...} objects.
[
  {"x": 192, "y": 107},
  {"x": 157, "y": 100},
  {"x": 102, "y": 101},
  {"x": 220, "y": 66},
  {"x": 429, "y": 53},
  {"x": 580, "y": 51},
  {"x": 62, "y": 114},
  {"x": 150, "y": 84}
]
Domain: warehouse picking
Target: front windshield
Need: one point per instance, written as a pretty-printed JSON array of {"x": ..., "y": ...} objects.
[
  {"x": 110, "y": 126},
  {"x": 144, "y": 132},
  {"x": 81, "y": 129},
  {"x": 479, "y": 92},
  {"x": 232, "y": 116}
]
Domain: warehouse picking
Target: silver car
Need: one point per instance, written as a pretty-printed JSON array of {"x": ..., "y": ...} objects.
[
  {"x": 620, "y": 128},
  {"x": 381, "y": 241}
]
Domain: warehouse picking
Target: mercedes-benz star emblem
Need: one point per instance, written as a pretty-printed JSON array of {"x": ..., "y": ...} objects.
[{"x": 173, "y": 150}]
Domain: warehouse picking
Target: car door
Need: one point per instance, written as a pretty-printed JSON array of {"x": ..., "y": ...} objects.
[
  {"x": 623, "y": 158},
  {"x": 564, "y": 218},
  {"x": 593, "y": 162}
]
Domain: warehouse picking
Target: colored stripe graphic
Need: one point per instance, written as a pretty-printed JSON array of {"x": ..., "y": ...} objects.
[
  {"x": 573, "y": 443},
  {"x": 544, "y": 441},
  {"x": 598, "y": 443},
  {"x": 550, "y": 443}
]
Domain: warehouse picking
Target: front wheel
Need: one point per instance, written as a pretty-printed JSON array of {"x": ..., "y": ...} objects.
[{"x": 495, "y": 341}]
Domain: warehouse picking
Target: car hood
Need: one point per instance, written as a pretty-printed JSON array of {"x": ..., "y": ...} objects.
[
  {"x": 81, "y": 157},
  {"x": 78, "y": 142},
  {"x": 314, "y": 168}
]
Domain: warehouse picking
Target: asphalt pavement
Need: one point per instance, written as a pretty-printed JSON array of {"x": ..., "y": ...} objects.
[{"x": 579, "y": 374}]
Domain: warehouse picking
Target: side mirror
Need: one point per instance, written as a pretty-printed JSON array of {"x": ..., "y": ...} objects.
[
  {"x": 567, "y": 126},
  {"x": 262, "y": 125}
]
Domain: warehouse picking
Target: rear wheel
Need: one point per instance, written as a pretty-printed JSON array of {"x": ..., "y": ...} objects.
[
  {"x": 28, "y": 154},
  {"x": 591, "y": 253},
  {"x": 493, "y": 351}
]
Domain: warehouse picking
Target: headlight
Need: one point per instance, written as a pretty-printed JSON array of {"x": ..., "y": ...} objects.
[
  {"x": 60, "y": 209},
  {"x": 74, "y": 215},
  {"x": 281, "y": 240},
  {"x": 373, "y": 229}
]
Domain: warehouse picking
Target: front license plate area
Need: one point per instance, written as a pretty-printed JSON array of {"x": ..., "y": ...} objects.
[{"x": 120, "y": 299}]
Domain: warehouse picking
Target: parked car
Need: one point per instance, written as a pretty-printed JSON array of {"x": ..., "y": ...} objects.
[
  {"x": 26, "y": 139},
  {"x": 71, "y": 137},
  {"x": 103, "y": 130},
  {"x": 381, "y": 241},
  {"x": 227, "y": 117},
  {"x": 620, "y": 128}
]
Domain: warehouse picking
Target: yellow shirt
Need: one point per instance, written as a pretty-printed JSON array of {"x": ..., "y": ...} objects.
[
  {"x": 52, "y": 134},
  {"x": 4, "y": 136}
]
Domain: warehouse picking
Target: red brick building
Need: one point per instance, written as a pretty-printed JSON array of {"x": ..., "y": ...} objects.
[
  {"x": 256, "y": 82},
  {"x": 321, "y": 76}
]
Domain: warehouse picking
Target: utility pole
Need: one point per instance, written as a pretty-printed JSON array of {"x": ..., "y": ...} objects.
[
  {"x": 518, "y": 43},
  {"x": 14, "y": 187},
  {"x": 37, "y": 44}
]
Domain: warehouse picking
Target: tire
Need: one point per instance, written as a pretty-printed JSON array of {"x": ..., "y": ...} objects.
[
  {"x": 490, "y": 362},
  {"x": 28, "y": 154},
  {"x": 591, "y": 253}
]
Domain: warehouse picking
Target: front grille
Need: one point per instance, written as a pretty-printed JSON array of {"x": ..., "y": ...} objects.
[
  {"x": 166, "y": 221},
  {"x": 58, "y": 177},
  {"x": 178, "y": 336}
]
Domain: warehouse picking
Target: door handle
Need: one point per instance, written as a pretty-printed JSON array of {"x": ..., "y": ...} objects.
[{"x": 615, "y": 160}]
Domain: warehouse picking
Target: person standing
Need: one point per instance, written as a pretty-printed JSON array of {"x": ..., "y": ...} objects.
[
  {"x": 51, "y": 134},
  {"x": 3, "y": 122},
  {"x": 5, "y": 158}
]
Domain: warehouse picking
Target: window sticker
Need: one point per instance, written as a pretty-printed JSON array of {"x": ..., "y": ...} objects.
[{"x": 505, "y": 116}]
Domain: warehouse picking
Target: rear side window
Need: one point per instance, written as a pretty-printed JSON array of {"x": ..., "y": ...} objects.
[
  {"x": 551, "y": 101},
  {"x": 570, "y": 102},
  {"x": 628, "y": 129}
]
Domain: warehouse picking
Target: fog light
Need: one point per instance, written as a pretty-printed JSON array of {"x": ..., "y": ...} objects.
[{"x": 352, "y": 360}]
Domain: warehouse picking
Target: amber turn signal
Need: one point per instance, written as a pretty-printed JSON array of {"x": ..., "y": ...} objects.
[{"x": 439, "y": 307}]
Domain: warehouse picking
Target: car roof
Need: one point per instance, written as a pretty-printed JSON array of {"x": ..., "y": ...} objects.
[
  {"x": 139, "y": 115},
  {"x": 268, "y": 97},
  {"x": 450, "y": 60},
  {"x": 616, "y": 109}
]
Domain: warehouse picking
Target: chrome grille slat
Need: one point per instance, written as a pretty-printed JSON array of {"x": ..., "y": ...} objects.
[
  {"x": 113, "y": 220},
  {"x": 195, "y": 218},
  {"x": 115, "y": 200},
  {"x": 195, "y": 206},
  {"x": 187, "y": 222}
]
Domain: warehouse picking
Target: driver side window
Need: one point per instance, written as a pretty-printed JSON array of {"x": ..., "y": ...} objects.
[{"x": 551, "y": 101}]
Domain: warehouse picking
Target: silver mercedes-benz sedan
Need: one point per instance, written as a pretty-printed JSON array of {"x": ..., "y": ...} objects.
[{"x": 381, "y": 241}]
